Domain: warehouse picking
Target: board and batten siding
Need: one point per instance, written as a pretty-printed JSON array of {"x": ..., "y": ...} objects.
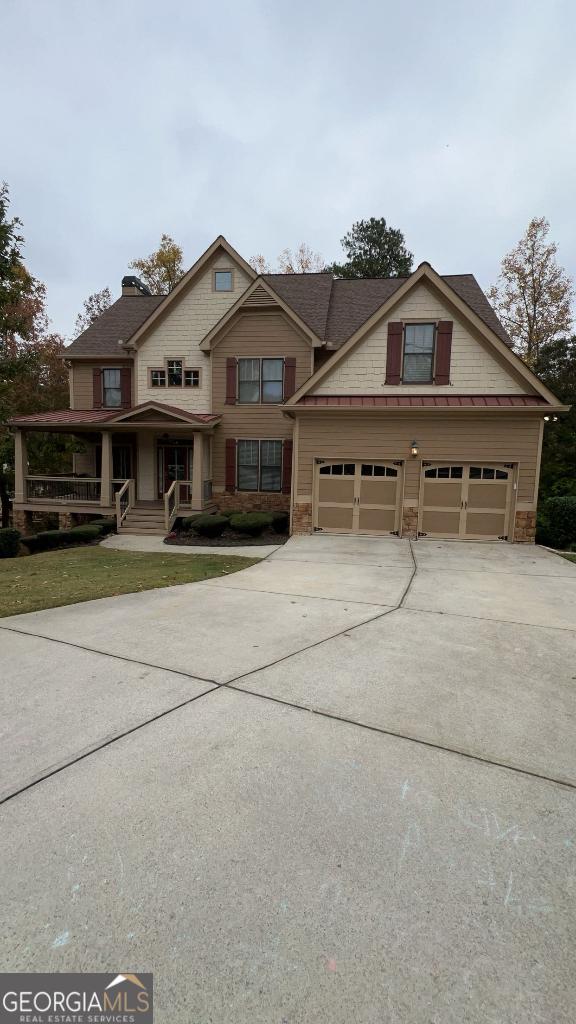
[
  {"x": 473, "y": 370},
  {"x": 81, "y": 380},
  {"x": 257, "y": 334},
  {"x": 453, "y": 439},
  {"x": 177, "y": 335}
]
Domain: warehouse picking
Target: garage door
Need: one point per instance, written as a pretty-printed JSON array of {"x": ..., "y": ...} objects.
[
  {"x": 358, "y": 497},
  {"x": 469, "y": 500}
]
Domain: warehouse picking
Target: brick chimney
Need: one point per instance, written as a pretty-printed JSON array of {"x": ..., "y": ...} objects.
[{"x": 133, "y": 286}]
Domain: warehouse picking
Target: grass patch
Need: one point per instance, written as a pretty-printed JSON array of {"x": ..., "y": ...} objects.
[
  {"x": 55, "y": 578},
  {"x": 571, "y": 556}
]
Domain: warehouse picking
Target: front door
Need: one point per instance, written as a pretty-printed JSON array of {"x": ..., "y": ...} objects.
[
  {"x": 174, "y": 463},
  {"x": 358, "y": 497}
]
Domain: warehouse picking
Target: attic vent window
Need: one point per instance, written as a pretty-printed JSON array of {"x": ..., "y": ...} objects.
[{"x": 222, "y": 280}]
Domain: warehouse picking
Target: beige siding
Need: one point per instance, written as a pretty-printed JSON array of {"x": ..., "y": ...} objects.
[
  {"x": 81, "y": 387},
  {"x": 474, "y": 370},
  {"x": 454, "y": 438},
  {"x": 179, "y": 333},
  {"x": 256, "y": 334}
]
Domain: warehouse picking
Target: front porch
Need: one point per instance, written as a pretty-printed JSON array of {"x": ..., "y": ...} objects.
[{"x": 147, "y": 467}]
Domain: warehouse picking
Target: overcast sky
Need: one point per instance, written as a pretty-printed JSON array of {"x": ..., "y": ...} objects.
[{"x": 273, "y": 123}]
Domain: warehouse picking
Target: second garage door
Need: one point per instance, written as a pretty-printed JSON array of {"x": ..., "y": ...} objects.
[
  {"x": 358, "y": 497},
  {"x": 465, "y": 500}
]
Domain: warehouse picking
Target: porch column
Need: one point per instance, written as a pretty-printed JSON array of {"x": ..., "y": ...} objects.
[
  {"x": 198, "y": 471},
  {"x": 106, "y": 469},
  {"x": 20, "y": 466}
]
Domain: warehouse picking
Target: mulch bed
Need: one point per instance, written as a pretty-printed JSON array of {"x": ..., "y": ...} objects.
[{"x": 228, "y": 540}]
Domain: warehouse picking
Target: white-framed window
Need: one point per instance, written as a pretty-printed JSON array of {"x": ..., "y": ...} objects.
[
  {"x": 259, "y": 465},
  {"x": 260, "y": 381},
  {"x": 223, "y": 280},
  {"x": 418, "y": 360},
  {"x": 111, "y": 389},
  {"x": 174, "y": 375},
  {"x": 157, "y": 378}
]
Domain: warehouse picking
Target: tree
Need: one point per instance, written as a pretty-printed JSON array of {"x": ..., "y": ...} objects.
[
  {"x": 373, "y": 250},
  {"x": 556, "y": 367},
  {"x": 93, "y": 307},
  {"x": 161, "y": 270},
  {"x": 302, "y": 261},
  {"x": 32, "y": 373},
  {"x": 533, "y": 294}
]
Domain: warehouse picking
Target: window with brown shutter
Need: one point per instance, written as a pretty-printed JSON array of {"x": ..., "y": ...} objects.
[
  {"x": 230, "y": 471},
  {"x": 97, "y": 388},
  {"x": 394, "y": 353},
  {"x": 287, "y": 466},
  {"x": 126, "y": 386},
  {"x": 289, "y": 377},
  {"x": 231, "y": 381},
  {"x": 443, "y": 352}
]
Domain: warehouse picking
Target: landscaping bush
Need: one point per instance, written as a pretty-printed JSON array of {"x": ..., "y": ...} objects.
[
  {"x": 188, "y": 522},
  {"x": 229, "y": 512},
  {"x": 557, "y": 523},
  {"x": 9, "y": 543},
  {"x": 209, "y": 526},
  {"x": 280, "y": 521},
  {"x": 105, "y": 526},
  {"x": 84, "y": 534},
  {"x": 251, "y": 523},
  {"x": 47, "y": 541}
]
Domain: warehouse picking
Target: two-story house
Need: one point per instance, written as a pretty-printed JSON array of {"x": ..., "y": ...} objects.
[{"x": 366, "y": 406}]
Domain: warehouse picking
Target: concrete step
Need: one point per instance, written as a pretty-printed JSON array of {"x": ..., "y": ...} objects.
[
  {"x": 144, "y": 524},
  {"x": 144, "y": 530}
]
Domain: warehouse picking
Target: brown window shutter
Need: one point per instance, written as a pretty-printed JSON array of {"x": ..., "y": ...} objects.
[
  {"x": 230, "y": 463},
  {"x": 394, "y": 353},
  {"x": 126, "y": 386},
  {"x": 97, "y": 388},
  {"x": 287, "y": 466},
  {"x": 289, "y": 377},
  {"x": 231, "y": 381},
  {"x": 443, "y": 352}
]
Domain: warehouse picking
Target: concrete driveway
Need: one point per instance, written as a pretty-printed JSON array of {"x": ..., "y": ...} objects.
[{"x": 336, "y": 786}]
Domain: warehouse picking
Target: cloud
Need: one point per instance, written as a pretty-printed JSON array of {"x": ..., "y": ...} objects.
[{"x": 279, "y": 123}]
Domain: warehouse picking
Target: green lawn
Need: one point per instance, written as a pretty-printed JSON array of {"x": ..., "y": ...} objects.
[
  {"x": 82, "y": 574},
  {"x": 571, "y": 556}
]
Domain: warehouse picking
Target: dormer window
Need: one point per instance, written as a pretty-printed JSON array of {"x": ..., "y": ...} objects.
[
  {"x": 418, "y": 361},
  {"x": 223, "y": 281}
]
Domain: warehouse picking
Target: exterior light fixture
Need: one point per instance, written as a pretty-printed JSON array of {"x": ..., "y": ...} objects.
[{"x": 414, "y": 449}]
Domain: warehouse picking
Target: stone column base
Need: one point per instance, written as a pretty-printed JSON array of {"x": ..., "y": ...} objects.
[
  {"x": 525, "y": 528},
  {"x": 302, "y": 517},
  {"x": 410, "y": 523},
  {"x": 22, "y": 521}
]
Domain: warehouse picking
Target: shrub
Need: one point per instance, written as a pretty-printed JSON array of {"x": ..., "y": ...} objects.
[
  {"x": 46, "y": 541},
  {"x": 9, "y": 543},
  {"x": 251, "y": 523},
  {"x": 557, "y": 523},
  {"x": 84, "y": 534},
  {"x": 280, "y": 522},
  {"x": 105, "y": 526},
  {"x": 209, "y": 526},
  {"x": 187, "y": 523},
  {"x": 229, "y": 512}
]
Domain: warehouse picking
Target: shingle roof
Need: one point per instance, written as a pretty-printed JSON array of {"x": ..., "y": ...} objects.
[
  {"x": 334, "y": 310},
  {"x": 117, "y": 323}
]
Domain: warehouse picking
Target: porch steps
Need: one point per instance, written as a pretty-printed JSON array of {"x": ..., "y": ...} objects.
[{"x": 142, "y": 520}]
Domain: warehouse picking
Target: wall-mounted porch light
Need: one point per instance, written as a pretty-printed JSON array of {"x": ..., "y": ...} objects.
[
  {"x": 548, "y": 418},
  {"x": 414, "y": 449}
]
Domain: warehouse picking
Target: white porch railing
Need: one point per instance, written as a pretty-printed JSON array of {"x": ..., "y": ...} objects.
[
  {"x": 125, "y": 498},
  {"x": 177, "y": 495}
]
